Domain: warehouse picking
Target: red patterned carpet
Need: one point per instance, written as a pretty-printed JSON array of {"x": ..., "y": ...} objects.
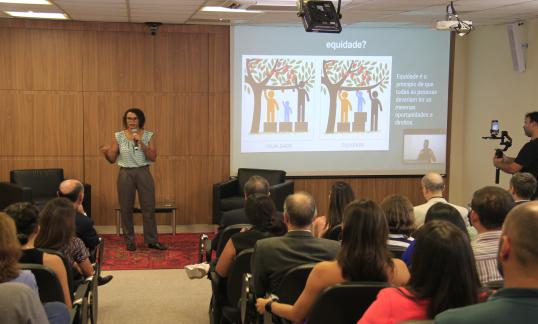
[{"x": 182, "y": 250}]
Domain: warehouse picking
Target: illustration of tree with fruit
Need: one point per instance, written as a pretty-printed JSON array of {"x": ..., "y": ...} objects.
[
  {"x": 275, "y": 74},
  {"x": 351, "y": 75}
]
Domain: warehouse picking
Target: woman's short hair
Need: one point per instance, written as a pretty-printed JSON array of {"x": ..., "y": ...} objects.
[
  {"x": 364, "y": 255},
  {"x": 10, "y": 249},
  {"x": 341, "y": 195},
  {"x": 57, "y": 224},
  {"x": 399, "y": 213},
  {"x": 442, "y": 211},
  {"x": 139, "y": 114},
  {"x": 444, "y": 269},
  {"x": 26, "y": 217}
]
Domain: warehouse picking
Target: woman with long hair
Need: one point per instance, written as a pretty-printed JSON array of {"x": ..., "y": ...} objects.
[
  {"x": 438, "y": 211},
  {"x": 401, "y": 220},
  {"x": 57, "y": 232},
  {"x": 260, "y": 211},
  {"x": 340, "y": 195},
  {"x": 443, "y": 276},
  {"x": 363, "y": 257},
  {"x": 26, "y": 217},
  {"x": 10, "y": 251}
]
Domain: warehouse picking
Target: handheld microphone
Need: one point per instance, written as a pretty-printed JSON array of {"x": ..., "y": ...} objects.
[{"x": 134, "y": 131}]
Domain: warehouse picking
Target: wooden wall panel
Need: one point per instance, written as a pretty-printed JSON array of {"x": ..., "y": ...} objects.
[
  {"x": 219, "y": 124},
  {"x": 367, "y": 188},
  {"x": 181, "y": 62},
  {"x": 37, "y": 59},
  {"x": 40, "y": 124},
  {"x": 73, "y": 166},
  {"x": 219, "y": 65},
  {"x": 118, "y": 61}
]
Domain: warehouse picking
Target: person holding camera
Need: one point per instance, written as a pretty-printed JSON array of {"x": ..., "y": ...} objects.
[{"x": 527, "y": 158}]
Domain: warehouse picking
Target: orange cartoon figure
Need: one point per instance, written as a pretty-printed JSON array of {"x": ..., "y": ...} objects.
[
  {"x": 271, "y": 105},
  {"x": 345, "y": 106}
]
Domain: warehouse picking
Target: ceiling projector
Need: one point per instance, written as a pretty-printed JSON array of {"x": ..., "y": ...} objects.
[
  {"x": 458, "y": 26},
  {"x": 454, "y": 23}
]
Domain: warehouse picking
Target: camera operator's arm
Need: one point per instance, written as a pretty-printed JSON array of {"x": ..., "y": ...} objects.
[{"x": 506, "y": 164}]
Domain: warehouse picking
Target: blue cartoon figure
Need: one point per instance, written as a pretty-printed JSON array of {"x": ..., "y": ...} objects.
[{"x": 287, "y": 110}]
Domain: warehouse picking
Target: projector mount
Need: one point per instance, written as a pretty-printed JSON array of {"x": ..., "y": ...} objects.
[{"x": 319, "y": 16}]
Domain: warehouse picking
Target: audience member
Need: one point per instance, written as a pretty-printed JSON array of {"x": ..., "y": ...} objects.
[
  {"x": 26, "y": 217},
  {"x": 255, "y": 184},
  {"x": 73, "y": 190},
  {"x": 517, "y": 302},
  {"x": 398, "y": 211},
  {"x": 57, "y": 232},
  {"x": 522, "y": 187},
  {"x": 260, "y": 211},
  {"x": 489, "y": 207},
  {"x": 340, "y": 195},
  {"x": 274, "y": 256},
  {"x": 432, "y": 185},
  {"x": 438, "y": 211},
  {"x": 10, "y": 252},
  {"x": 363, "y": 257},
  {"x": 20, "y": 305},
  {"x": 443, "y": 276}
]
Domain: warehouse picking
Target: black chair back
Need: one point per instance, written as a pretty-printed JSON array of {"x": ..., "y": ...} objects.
[
  {"x": 344, "y": 303},
  {"x": 293, "y": 283},
  {"x": 334, "y": 233},
  {"x": 44, "y": 182},
  {"x": 240, "y": 266},
  {"x": 50, "y": 289},
  {"x": 68, "y": 268},
  {"x": 227, "y": 233}
]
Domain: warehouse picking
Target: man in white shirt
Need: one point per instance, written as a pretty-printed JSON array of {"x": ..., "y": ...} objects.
[{"x": 432, "y": 189}]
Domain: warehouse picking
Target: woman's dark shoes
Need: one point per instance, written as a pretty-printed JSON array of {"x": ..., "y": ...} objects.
[
  {"x": 157, "y": 246},
  {"x": 104, "y": 280},
  {"x": 131, "y": 246}
]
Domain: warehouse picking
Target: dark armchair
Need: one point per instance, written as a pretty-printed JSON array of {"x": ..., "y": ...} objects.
[
  {"x": 37, "y": 186},
  {"x": 228, "y": 195}
]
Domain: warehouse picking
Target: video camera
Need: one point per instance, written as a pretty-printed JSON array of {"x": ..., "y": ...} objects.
[{"x": 505, "y": 140}]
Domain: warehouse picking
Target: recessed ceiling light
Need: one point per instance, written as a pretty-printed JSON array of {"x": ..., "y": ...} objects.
[
  {"x": 224, "y": 9},
  {"x": 35, "y": 2},
  {"x": 31, "y": 14}
]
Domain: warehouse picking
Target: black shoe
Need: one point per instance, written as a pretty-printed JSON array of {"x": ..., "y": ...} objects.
[
  {"x": 104, "y": 280},
  {"x": 131, "y": 246},
  {"x": 157, "y": 246}
]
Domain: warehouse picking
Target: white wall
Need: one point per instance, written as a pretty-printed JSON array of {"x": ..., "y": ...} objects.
[{"x": 486, "y": 88}]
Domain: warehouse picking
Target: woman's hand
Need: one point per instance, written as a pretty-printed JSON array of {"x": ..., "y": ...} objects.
[{"x": 260, "y": 304}]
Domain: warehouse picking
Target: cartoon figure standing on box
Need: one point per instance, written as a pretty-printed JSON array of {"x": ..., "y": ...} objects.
[
  {"x": 287, "y": 110},
  {"x": 360, "y": 100},
  {"x": 271, "y": 105},
  {"x": 345, "y": 106},
  {"x": 376, "y": 107},
  {"x": 302, "y": 97}
]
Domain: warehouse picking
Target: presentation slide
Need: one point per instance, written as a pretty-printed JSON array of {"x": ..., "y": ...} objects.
[{"x": 363, "y": 102}]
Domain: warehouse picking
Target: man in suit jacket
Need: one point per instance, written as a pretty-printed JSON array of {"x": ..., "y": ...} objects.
[
  {"x": 74, "y": 191},
  {"x": 254, "y": 185},
  {"x": 273, "y": 257}
]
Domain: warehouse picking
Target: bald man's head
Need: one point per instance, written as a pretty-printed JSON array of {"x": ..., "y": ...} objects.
[
  {"x": 71, "y": 189},
  {"x": 300, "y": 208},
  {"x": 433, "y": 182},
  {"x": 521, "y": 226}
]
